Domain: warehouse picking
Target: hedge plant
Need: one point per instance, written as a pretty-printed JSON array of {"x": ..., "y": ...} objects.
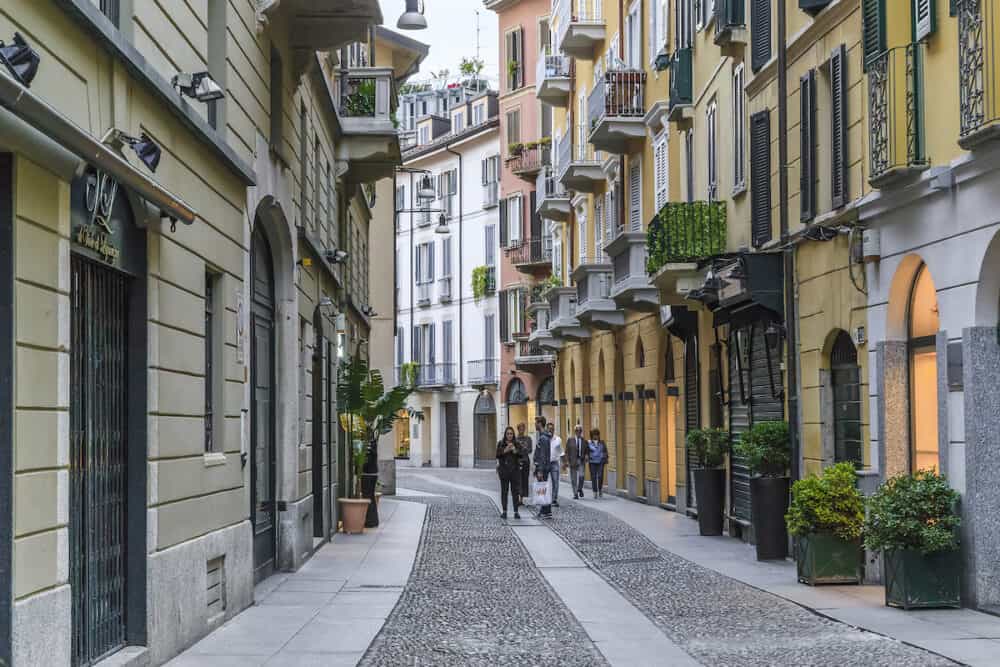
[
  {"x": 918, "y": 511},
  {"x": 830, "y": 503},
  {"x": 710, "y": 445},
  {"x": 766, "y": 448},
  {"x": 685, "y": 232},
  {"x": 480, "y": 282}
]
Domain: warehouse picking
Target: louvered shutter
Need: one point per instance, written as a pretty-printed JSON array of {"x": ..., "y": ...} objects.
[
  {"x": 430, "y": 262},
  {"x": 635, "y": 198},
  {"x": 485, "y": 168},
  {"x": 453, "y": 181},
  {"x": 923, "y": 19},
  {"x": 536, "y": 220},
  {"x": 807, "y": 143},
  {"x": 431, "y": 351},
  {"x": 416, "y": 346},
  {"x": 503, "y": 223},
  {"x": 598, "y": 230},
  {"x": 583, "y": 240},
  {"x": 446, "y": 341},
  {"x": 504, "y": 324},
  {"x": 760, "y": 34},
  {"x": 515, "y": 222},
  {"x": 660, "y": 168},
  {"x": 491, "y": 241},
  {"x": 609, "y": 217},
  {"x": 446, "y": 257},
  {"x": 873, "y": 33},
  {"x": 760, "y": 177},
  {"x": 509, "y": 53},
  {"x": 838, "y": 126}
]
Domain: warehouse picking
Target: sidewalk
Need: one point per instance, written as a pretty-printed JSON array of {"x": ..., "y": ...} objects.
[
  {"x": 329, "y": 611},
  {"x": 963, "y": 635}
]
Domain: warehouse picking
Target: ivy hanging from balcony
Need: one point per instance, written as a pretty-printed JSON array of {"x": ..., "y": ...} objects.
[
  {"x": 480, "y": 282},
  {"x": 685, "y": 232},
  {"x": 361, "y": 100}
]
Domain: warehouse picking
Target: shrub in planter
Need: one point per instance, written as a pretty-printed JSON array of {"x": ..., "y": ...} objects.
[
  {"x": 825, "y": 517},
  {"x": 710, "y": 446},
  {"x": 767, "y": 451},
  {"x": 913, "y": 520}
]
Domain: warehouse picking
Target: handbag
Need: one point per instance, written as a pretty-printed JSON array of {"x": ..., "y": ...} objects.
[{"x": 541, "y": 493}]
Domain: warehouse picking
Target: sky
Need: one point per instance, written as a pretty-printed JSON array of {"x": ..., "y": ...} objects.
[{"x": 451, "y": 34}]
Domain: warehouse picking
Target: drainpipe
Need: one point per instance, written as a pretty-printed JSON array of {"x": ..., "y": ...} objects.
[
  {"x": 791, "y": 315},
  {"x": 461, "y": 342},
  {"x": 412, "y": 265},
  {"x": 621, "y": 157}
]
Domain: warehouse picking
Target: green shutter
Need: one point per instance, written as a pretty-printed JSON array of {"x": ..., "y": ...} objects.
[
  {"x": 807, "y": 146},
  {"x": 760, "y": 34},
  {"x": 873, "y": 17},
  {"x": 923, "y": 19},
  {"x": 838, "y": 126},
  {"x": 760, "y": 177}
]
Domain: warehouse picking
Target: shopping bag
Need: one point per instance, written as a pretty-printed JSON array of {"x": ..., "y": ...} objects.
[{"x": 541, "y": 493}]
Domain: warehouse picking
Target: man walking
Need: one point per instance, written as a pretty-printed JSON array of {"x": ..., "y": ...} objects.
[
  {"x": 575, "y": 457},
  {"x": 524, "y": 442},
  {"x": 542, "y": 460},
  {"x": 555, "y": 461}
]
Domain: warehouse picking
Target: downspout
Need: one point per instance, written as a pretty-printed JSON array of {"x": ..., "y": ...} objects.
[
  {"x": 791, "y": 315},
  {"x": 413, "y": 265},
  {"x": 621, "y": 156},
  {"x": 395, "y": 265},
  {"x": 461, "y": 342}
]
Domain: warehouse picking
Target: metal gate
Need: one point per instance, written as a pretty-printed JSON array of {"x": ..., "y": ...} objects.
[
  {"x": 739, "y": 420},
  {"x": 452, "y": 436},
  {"x": 692, "y": 414},
  {"x": 262, "y": 463},
  {"x": 846, "y": 380},
  {"x": 98, "y": 459}
]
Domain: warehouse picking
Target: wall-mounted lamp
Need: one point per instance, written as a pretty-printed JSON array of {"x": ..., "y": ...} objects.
[
  {"x": 773, "y": 335},
  {"x": 442, "y": 227},
  {"x": 200, "y": 86},
  {"x": 425, "y": 189},
  {"x": 335, "y": 256},
  {"x": 413, "y": 17},
  {"x": 146, "y": 149},
  {"x": 20, "y": 59}
]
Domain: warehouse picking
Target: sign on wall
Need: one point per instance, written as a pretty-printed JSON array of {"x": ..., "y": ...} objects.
[{"x": 102, "y": 223}]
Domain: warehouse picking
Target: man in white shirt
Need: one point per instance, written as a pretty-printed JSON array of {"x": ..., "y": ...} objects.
[{"x": 555, "y": 462}]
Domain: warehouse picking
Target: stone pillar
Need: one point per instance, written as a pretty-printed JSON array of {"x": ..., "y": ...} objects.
[{"x": 892, "y": 377}]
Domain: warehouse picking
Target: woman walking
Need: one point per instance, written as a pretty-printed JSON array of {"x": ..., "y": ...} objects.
[
  {"x": 597, "y": 456},
  {"x": 509, "y": 470}
]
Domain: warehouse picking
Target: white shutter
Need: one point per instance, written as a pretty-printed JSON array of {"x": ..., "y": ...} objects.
[
  {"x": 599, "y": 230},
  {"x": 610, "y": 216},
  {"x": 635, "y": 197},
  {"x": 923, "y": 12},
  {"x": 654, "y": 28},
  {"x": 583, "y": 239},
  {"x": 660, "y": 170},
  {"x": 636, "y": 41},
  {"x": 514, "y": 219}
]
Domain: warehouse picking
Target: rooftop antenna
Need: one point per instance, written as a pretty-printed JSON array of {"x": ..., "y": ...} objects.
[{"x": 477, "y": 34}]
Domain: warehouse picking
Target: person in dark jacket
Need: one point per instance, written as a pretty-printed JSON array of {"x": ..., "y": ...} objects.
[
  {"x": 597, "y": 456},
  {"x": 524, "y": 441},
  {"x": 575, "y": 456},
  {"x": 508, "y": 468},
  {"x": 542, "y": 460}
]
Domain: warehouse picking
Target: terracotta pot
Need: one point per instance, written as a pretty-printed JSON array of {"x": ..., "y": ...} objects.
[{"x": 352, "y": 512}]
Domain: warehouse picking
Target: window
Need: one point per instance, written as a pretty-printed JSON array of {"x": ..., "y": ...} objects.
[
  {"x": 400, "y": 197},
  {"x": 303, "y": 371},
  {"x": 633, "y": 36},
  {"x": 489, "y": 332},
  {"x": 598, "y": 229},
  {"x": 513, "y": 128},
  {"x": 511, "y": 221},
  {"x": 845, "y": 378},
  {"x": 760, "y": 177},
  {"x": 689, "y": 164},
  {"x": 807, "y": 144},
  {"x": 328, "y": 195},
  {"x": 657, "y": 28},
  {"x": 760, "y": 33},
  {"x": 400, "y": 347},
  {"x": 490, "y": 239},
  {"x": 923, "y": 18},
  {"x": 446, "y": 351},
  {"x": 491, "y": 169},
  {"x": 685, "y": 24},
  {"x": 514, "y": 63},
  {"x": 635, "y": 195},
  {"x": 424, "y": 272},
  {"x": 610, "y": 215},
  {"x": 477, "y": 114},
  {"x": 713, "y": 172},
  {"x": 277, "y": 101},
  {"x": 111, "y": 9},
  {"x": 515, "y": 312},
  {"x": 557, "y": 256},
  {"x": 425, "y": 135},
  {"x": 924, "y": 324},
  {"x": 581, "y": 216},
  {"x": 458, "y": 122},
  {"x": 739, "y": 130},
  {"x": 212, "y": 324},
  {"x": 446, "y": 257},
  {"x": 217, "y": 59},
  {"x": 661, "y": 175},
  {"x": 838, "y": 126}
]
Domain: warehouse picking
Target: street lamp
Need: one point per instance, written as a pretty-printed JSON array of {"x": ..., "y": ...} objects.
[
  {"x": 442, "y": 226},
  {"x": 413, "y": 17},
  {"x": 425, "y": 189}
]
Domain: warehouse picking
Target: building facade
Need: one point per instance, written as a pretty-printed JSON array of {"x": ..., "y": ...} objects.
[
  {"x": 447, "y": 314},
  {"x": 176, "y": 308}
]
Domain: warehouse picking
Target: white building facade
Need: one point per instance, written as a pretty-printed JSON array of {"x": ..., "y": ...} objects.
[{"x": 446, "y": 315}]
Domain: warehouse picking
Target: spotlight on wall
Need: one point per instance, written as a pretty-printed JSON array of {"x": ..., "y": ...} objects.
[
  {"x": 413, "y": 17},
  {"x": 335, "y": 256},
  {"x": 145, "y": 148},
  {"x": 200, "y": 86},
  {"x": 20, "y": 59}
]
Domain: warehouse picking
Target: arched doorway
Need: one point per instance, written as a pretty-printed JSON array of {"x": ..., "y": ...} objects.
[
  {"x": 517, "y": 403},
  {"x": 923, "y": 324},
  {"x": 263, "y": 402},
  {"x": 485, "y": 430},
  {"x": 667, "y": 414},
  {"x": 544, "y": 404},
  {"x": 845, "y": 378}
]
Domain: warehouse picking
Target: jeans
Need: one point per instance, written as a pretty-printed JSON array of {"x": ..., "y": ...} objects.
[
  {"x": 577, "y": 476},
  {"x": 596, "y": 477},
  {"x": 510, "y": 483},
  {"x": 554, "y": 476}
]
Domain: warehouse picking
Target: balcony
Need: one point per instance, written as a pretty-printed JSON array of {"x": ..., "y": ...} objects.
[
  {"x": 430, "y": 376},
  {"x": 529, "y": 160},
  {"x": 594, "y": 306},
  {"x": 323, "y": 26},
  {"x": 577, "y": 166},
  {"x": 579, "y": 27},
  {"x": 680, "y": 108},
  {"x": 529, "y": 354},
  {"x": 491, "y": 280},
  {"x": 730, "y": 25},
  {"x": 423, "y": 294},
  {"x": 365, "y": 98},
  {"x": 444, "y": 289},
  {"x": 532, "y": 256},
  {"x": 896, "y": 115},
  {"x": 553, "y": 200},
  {"x": 632, "y": 288},
  {"x": 678, "y": 240},
  {"x": 616, "y": 108},
  {"x": 491, "y": 195},
  {"x": 538, "y": 308},
  {"x": 481, "y": 372},
  {"x": 553, "y": 81},
  {"x": 563, "y": 322},
  {"x": 978, "y": 72}
]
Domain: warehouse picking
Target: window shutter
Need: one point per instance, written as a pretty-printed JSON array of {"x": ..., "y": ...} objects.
[
  {"x": 760, "y": 177},
  {"x": 520, "y": 57},
  {"x": 760, "y": 34},
  {"x": 515, "y": 222},
  {"x": 583, "y": 239},
  {"x": 635, "y": 198},
  {"x": 446, "y": 341},
  {"x": 609, "y": 217},
  {"x": 489, "y": 346},
  {"x": 598, "y": 230},
  {"x": 453, "y": 181},
  {"x": 431, "y": 357},
  {"x": 654, "y": 23},
  {"x": 446, "y": 257},
  {"x": 923, "y": 19},
  {"x": 807, "y": 143},
  {"x": 660, "y": 170},
  {"x": 509, "y": 52},
  {"x": 873, "y": 33},
  {"x": 484, "y": 164},
  {"x": 503, "y": 223},
  {"x": 504, "y": 325},
  {"x": 838, "y": 125},
  {"x": 490, "y": 236},
  {"x": 536, "y": 220},
  {"x": 415, "y": 351},
  {"x": 430, "y": 262}
]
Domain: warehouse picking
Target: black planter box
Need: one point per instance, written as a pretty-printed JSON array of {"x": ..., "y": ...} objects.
[
  {"x": 914, "y": 581},
  {"x": 824, "y": 558},
  {"x": 769, "y": 502},
  {"x": 710, "y": 490}
]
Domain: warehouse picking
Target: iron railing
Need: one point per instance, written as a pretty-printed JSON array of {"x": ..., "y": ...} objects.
[
  {"x": 424, "y": 219},
  {"x": 685, "y": 232},
  {"x": 365, "y": 92},
  {"x": 531, "y": 251},
  {"x": 729, "y": 14},
  {"x": 491, "y": 194},
  {"x": 423, "y": 294},
  {"x": 444, "y": 289},
  {"x": 551, "y": 67},
  {"x": 527, "y": 350},
  {"x": 529, "y": 159},
  {"x": 681, "y": 79},
  {"x": 491, "y": 279},
  {"x": 564, "y": 154},
  {"x": 548, "y": 187},
  {"x": 567, "y": 12},
  {"x": 482, "y": 371},
  {"x": 595, "y": 285},
  {"x": 978, "y": 66},
  {"x": 436, "y": 375},
  {"x": 619, "y": 94},
  {"x": 895, "y": 114}
]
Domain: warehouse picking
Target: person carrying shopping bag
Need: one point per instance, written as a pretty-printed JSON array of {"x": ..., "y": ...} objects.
[
  {"x": 509, "y": 470},
  {"x": 543, "y": 463},
  {"x": 597, "y": 456}
]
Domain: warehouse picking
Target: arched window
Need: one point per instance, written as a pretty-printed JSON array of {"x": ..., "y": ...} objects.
[
  {"x": 924, "y": 323},
  {"x": 516, "y": 394},
  {"x": 640, "y": 354},
  {"x": 547, "y": 392},
  {"x": 845, "y": 377}
]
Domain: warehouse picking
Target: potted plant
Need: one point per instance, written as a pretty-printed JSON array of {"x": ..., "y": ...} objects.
[
  {"x": 367, "y": 411},
  {"x": 767, "y": 452},
  {"x": 913, "y": 520},
  {"x": 825, "y": 517},
  {"x": 710, "y": 446}
]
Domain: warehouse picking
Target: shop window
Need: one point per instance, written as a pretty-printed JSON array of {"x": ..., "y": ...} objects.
[
  {"x": 923, "y": 327},
  {"x": 845, "y": 378}
]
